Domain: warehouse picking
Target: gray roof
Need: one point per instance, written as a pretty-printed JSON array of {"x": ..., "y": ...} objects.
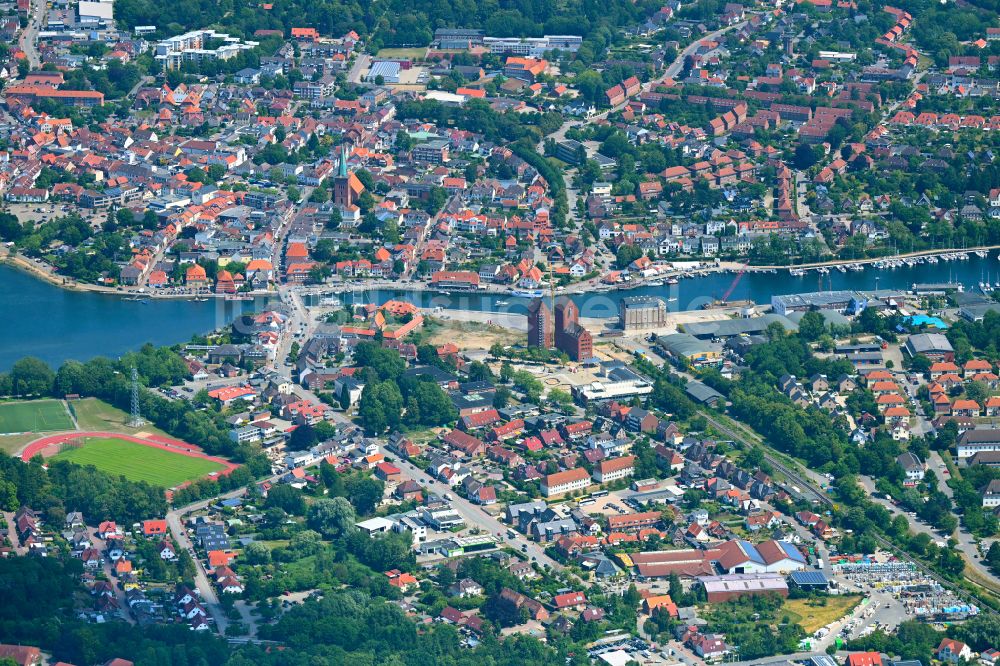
[
  {"x": 830, "y": 317},
  {"x": 703, "y": 392},
  {"x": 683, "y": 344},
  {"x": 725, "y": 328},
  {"x": 980, "y": 436},
  {"x": 642, "y": 301},
  {"x": 928, "y": 342}
]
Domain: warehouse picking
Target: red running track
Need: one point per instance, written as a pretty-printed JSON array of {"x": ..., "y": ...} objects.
[{"x": 155, "y": 441}]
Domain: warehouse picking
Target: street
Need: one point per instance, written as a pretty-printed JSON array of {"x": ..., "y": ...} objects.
[
  {"x": 473, "y": 515},
  {"x": 210, "y": 600},
  {"x": 28, "y": 41}
]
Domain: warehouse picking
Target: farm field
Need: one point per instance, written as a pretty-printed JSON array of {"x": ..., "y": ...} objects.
[
  {"x": 811, "y": 617},
  {"x": 34, "y": 416},
  {"x": 138, "y": 462}
]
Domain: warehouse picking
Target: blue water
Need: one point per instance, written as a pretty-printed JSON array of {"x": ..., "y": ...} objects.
[
  {"x": 55, "y": 325},
  {"x": 693, "y": 293}
]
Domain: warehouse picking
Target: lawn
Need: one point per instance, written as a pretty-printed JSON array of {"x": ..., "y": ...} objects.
[
  {"x": 34, "y": 416},
  {"x": 11, "y": 444},
  {"x": 97, "y": 415},
  {"x": 414, "y": 53},
  {"x": 811, "y": 617},
  {"x": 137, "y": 462}
]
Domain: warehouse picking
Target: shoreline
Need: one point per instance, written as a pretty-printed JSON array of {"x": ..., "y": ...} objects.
[{"x": 708, "y": 266}]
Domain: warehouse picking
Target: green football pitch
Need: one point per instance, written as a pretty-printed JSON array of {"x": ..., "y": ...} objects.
[
  {"x": 34, "y": 416},
  {"x": 138, "y": 462}
]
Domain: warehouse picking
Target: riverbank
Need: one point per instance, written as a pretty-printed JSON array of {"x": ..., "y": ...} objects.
[
  {"x": 29, "y": 267},
  {"x": 57, "y": 324},
  {"x": 876, "y": 260},
  {"x": 689, "y": 269}
]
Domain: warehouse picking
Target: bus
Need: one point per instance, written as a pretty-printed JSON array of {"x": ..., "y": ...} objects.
[{"x": 599, "y": 493}]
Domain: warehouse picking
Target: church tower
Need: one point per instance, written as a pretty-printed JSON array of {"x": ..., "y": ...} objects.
[{"x": 346, "y": 186}]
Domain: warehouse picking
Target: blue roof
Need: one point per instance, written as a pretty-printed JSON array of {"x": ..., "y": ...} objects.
[
  {"x": 751, "y": 551},
  {"x": 792, "y": 552}
]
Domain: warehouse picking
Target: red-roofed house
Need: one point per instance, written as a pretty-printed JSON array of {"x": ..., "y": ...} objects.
[
  {"x": 953, "y": 651},
  {"x": 864, "y": 659},
  {"x": 575, "y": 600},
  {"x": 154, "y": 527}
]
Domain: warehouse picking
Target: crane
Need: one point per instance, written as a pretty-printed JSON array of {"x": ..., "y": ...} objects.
[{"x": 736, "y": 282}]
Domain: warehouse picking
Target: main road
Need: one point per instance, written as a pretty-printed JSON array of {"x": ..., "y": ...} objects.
[{"x": 28, "y": 41}]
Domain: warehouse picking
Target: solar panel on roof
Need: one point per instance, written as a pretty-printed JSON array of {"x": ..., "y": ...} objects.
[
  {"x": 791, "y": 551},
  {"x": 809, "y": 578}
]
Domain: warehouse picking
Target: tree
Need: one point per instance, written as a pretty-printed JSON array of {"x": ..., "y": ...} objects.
[
  {"x": 302, "y": 438},
  {"x": 805, "y": 156},
  {"x": 502, "y": 612},
  {"x": 11, "y": 229},
  {"x": 436, "y": 199},
  {"x": 306, "y": 543},
  {"x": 433, "y": 406},
  {"x": 501, "y": 398},
  {"x": 385, "y": 363},
  {"x": 31, "y": 376},
  {"x": 977, "y": 391},
  {"x": 345, "y": 397},
  {"x": 479, "y": 372},
  {"x": 812, "y": 325},
  {"x": 364, "y": 492},
  {"x": 286, "y": 498},
  {"x": 335, "y": 219},
  {"x": 445, "y": 577},
  {"x": 256, "y": 553},
  {"x": 626, "y": 255},
  {"x": 332, "y": 518},
  {"x": 324, "y": 430},
  {"x": 560, "y": 397},
  {"x": 381, "y": 407}
]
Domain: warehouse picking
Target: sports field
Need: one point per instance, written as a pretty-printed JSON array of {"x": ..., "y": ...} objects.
[
  {"x": 34, "y": 416},
  {"x": 138, "y": 462}
]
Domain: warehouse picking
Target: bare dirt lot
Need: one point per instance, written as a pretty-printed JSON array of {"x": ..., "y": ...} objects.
[{"x": 473, "y": 335}]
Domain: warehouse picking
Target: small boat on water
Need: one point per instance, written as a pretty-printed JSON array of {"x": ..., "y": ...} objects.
[
  {"x": 527, "y": 293},
  {"x": 673, "y": 281},
  {"x": 655, "y": 283}
]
